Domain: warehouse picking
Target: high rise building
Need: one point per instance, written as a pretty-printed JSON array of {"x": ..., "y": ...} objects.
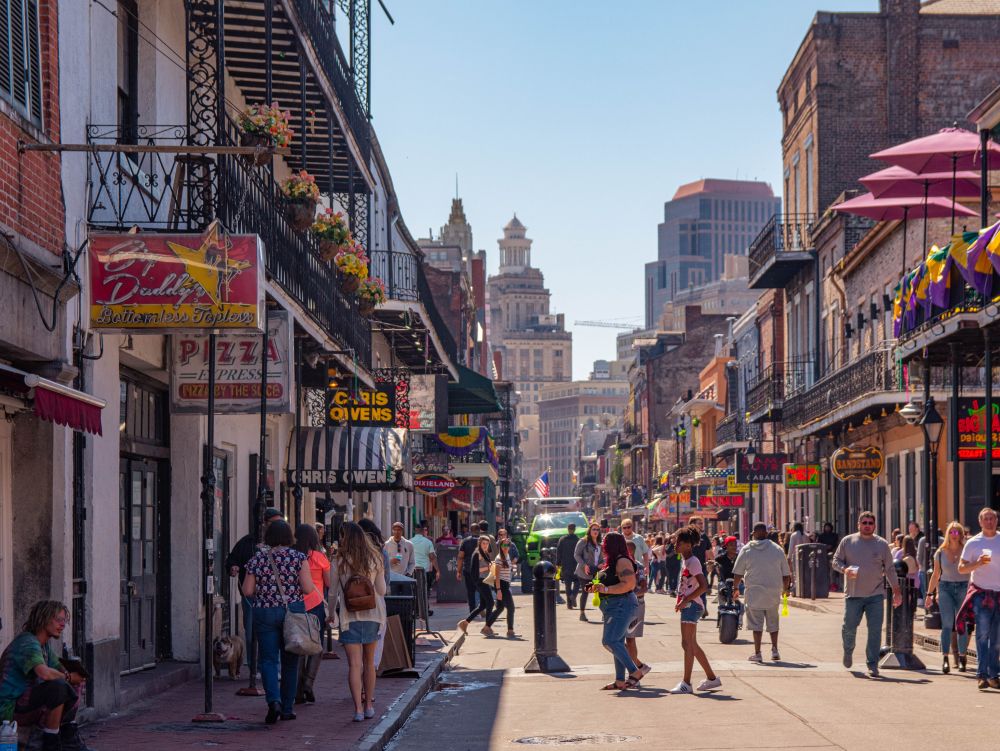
[
  {"x": 705, "y": 221},
  {"x": 573, "y": 420},
  {"x": 532, "y": 343}
]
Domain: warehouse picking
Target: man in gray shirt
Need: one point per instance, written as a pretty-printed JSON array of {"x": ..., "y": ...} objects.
[{"x": 864, "y": 559}]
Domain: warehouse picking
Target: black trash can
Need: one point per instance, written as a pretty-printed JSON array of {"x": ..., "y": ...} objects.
[
  {"x": 812, "y": 567},
  {"x": 449, "y": 587},
  {"x": 405, "y": 607}
]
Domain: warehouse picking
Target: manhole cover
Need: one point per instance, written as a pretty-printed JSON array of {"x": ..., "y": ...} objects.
[{"x": 578, "y": 740}]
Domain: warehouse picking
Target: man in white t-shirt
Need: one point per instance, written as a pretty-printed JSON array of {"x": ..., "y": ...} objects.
[
  {"x": 424, "y": 556},
  {"x": 400, "y": 551},
  {"x": 641, "y": 548},
  {"x": 981, "y": 559}
]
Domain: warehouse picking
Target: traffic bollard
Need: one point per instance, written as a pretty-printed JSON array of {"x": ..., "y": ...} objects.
[
  {"x": 900, "y": 654},
  {"x": 545, "y": 658}
]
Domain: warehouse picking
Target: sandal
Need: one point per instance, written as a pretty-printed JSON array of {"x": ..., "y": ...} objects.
[
  {"x": 613, "y": 686},
  {"x": 643, "y": 671},
  {"x": 632, "y": 683}
]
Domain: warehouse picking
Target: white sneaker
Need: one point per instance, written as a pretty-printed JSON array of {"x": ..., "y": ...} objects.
[
  {"x": 775, "y": 655},
  {"x": 682, "y": 688},
  {"x": 755, "y": 657},
  {"x": 708, "y": 685}
]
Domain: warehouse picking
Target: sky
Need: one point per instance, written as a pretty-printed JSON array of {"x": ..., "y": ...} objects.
[{"x": 583, "y": 117}]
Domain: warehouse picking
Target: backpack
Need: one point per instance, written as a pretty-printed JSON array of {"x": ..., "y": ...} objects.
[{"x": 359, "y": 594}]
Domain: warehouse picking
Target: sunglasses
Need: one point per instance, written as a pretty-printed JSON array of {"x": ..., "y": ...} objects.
[{"x": 955, "y": 533}]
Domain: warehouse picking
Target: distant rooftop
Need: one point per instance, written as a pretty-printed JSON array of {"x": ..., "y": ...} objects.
[
  {"x": 961, "y": 7},
  {"x": 748, "y": 188}
]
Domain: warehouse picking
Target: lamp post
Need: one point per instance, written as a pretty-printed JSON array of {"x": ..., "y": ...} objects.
[
  {"x": 751, "y": 456},
  {"x": 932, "y": 424}
]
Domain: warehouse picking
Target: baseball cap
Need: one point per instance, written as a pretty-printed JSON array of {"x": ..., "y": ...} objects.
[
  {"x": 271, "y": 513},
  {"x": 729, "y": 540}
]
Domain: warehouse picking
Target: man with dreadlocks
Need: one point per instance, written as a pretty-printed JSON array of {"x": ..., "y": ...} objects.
[{"x": 34, "y": 686}]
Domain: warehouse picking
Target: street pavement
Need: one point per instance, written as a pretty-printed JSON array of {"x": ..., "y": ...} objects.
[{"x": 808, "y": 700}]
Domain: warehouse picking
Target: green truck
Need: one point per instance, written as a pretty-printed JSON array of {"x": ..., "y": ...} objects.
[{"x": 546, "y": 529}]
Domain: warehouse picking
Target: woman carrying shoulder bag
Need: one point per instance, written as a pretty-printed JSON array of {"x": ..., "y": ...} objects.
[
  {"x": 278, "y": 579},
  {"x": 588, "y": 557},
  {"x": 502, "y": 576},
  {"x": 481, "y": 567},
  {"x": 949, "y": 587},
  {"x": 358, "y": 598},
  {"x": 307, "y": 542}
]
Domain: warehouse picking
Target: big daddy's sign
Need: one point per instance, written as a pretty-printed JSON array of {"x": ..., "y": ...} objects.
[{"x": 162, "y": 282}]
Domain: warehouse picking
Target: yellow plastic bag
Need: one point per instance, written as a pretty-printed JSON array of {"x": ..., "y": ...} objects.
[
  {"x": 784, "y": 604},
  {"x": 596, "y": 600},
  {"x": 558, "y": 573}
]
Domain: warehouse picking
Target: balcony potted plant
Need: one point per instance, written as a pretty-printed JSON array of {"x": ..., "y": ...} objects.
[
  {"x": 370, "y": 295},
  {"x": 331, "y": 231},
  {"x": 264, "y": 126},
  {"x": 301, "y": 195},
  {"x": 352, "y": 267}
]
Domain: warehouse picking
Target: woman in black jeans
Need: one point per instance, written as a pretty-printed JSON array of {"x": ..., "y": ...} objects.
[
  {"x": 502, "y": 585},
  {"x": 480, "y": 566}
]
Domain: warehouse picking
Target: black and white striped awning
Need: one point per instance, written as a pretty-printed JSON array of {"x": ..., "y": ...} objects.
[{"x": 379, "y": 459}]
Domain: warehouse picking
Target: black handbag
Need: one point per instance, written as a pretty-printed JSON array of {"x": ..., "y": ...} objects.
[{"x": 932, "y": 615}]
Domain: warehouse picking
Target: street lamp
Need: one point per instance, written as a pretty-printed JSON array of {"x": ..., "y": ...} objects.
[
  {"x": 751, "y": 456},
  {"x": 932, "y": 424},
  {"x": 911, "y": 413}
]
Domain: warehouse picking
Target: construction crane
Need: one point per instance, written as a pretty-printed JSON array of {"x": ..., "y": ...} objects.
[{"x": 609, "y": 325}]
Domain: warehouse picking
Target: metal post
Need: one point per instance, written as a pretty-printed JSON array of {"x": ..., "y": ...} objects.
[
  {"x": 988, "y": 422},
  {"x": 953, "y": 431},
  {"x": 984, "y": 179},
  {"x": 901, "y": 655},
  {"x": 932, "y": 538},
  {"x": 299, "y": 455},
  {"x": 268, "y": 50},
  {"x": 208, "y": 545},
  {"x": 925, "y": 479},
  {"x": 545, "y": 658}
]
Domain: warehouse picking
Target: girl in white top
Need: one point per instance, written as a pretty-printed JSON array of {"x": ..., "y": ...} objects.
[
  {"x": 359, "y": 629},
  {"x": 502, "y": 575}
]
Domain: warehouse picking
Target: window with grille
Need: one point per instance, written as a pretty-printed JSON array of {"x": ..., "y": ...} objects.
[{"x": 20, "y": 60}]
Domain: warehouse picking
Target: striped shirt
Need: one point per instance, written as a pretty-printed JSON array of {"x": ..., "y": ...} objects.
[{"x": 503, "y": 572}]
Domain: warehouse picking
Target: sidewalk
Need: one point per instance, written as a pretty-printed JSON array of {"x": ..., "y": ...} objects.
[{"x": 165, "y": 720}]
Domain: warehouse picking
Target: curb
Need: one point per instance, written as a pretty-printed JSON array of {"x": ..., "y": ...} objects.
[
  {"x": 803, "y": 605},
  {"x": 379, "y": 736}
]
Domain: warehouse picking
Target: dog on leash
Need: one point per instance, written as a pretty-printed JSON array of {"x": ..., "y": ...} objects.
[{"x": 228, "y": 651}]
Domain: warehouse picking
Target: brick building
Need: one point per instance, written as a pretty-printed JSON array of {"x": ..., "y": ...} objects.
[{"x": 861, "y": 82}]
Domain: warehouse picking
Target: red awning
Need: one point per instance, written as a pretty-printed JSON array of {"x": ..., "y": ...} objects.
[{"x": 57, "y": 403}]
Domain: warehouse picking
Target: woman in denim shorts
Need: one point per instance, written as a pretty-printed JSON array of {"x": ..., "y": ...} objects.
[{"x": 689, "y": 604}]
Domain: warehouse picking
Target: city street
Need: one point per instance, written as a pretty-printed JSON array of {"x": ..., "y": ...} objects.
[{"x": 808, "y": 700}]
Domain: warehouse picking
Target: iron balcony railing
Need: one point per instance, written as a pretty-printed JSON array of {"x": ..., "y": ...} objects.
[
  {"x": 874, "y": 373},
  {"x": 692, "y": 461},
  {"x": 776, "y": 382},
  {"x": 734, "y": 428},
  {"x": 158, "y": 191},
  {"x": 783, "y": 233},
  {"x": 319, "y": 25},
  {"x": 405, "y": 280},
  {"x": 964, "y": 299}
]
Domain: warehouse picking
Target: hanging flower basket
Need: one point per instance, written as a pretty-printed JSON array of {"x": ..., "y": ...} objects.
[
  {"x": 300, "y": 213},
  {"x": 349, "y": 283},
  {"x": 302, "y": 194},
  {"x": 352, "y": 267},
  {"x": 370, "y": 295},
  {"x": 331, "y": 233},
  {"x": 266, "y": 127}
]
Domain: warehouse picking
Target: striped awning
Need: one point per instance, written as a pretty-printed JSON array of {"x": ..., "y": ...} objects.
[{"x": 379, "y": 459}]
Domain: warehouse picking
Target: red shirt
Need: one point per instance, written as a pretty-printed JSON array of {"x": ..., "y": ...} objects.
[{"x": 318, "y": 563}]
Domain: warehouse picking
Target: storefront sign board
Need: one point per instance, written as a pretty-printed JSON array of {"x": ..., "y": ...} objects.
[
  {"x": 802, "y": 476},
  {"x": 856, "y": 464},
  {"x": 766, "y": 468}
]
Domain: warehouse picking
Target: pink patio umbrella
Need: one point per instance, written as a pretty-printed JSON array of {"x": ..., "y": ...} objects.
[
  {"x": 948, "y": 150},
  {"x": 899, "y": 182},
  {"x": 894, "y": 209}
]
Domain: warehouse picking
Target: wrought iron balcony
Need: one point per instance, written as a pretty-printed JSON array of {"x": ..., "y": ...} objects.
[
  {"x": 405, "y": 280},
  {"x": 734, "y": 428},
  {"x": 692, "y": 461},
  {"x": 874, "y": 373},
  {"x": 780, "y": 250},
  {"x": 766, "y": 395},
  {"x": 159, "y": 191}
]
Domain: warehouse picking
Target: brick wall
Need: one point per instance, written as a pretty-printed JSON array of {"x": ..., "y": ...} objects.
[
  {"x": 30, "y": 196},
  {"x": 869, "y": 95}
]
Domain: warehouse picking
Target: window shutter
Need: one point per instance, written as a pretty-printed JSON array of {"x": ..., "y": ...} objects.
[
  {"x": 34, "y": 63},
  {"x": 5, "y": 47},
  {"x": 19, "y": 68}
]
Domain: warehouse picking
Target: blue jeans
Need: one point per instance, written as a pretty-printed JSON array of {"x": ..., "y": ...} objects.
[
  {"x": 618, "y": 611},
  {"x": 269, "y": 623},
  {"x": 656, "y": 572},
  {"x": 246, "y": 604},
  {"x": 950, "y": 597},
  {"x": 873, "y": 610},
  {"x": 987, "y": 640}
]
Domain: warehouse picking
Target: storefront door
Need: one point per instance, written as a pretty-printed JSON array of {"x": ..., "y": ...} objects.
[{"x": 139, "y": 490}]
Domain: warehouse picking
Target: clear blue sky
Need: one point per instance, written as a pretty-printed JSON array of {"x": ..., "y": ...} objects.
[{"x": 583, "y": 117}]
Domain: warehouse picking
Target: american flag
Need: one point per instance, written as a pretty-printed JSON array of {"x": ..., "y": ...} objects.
[{"x": 541, "y": 485}]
